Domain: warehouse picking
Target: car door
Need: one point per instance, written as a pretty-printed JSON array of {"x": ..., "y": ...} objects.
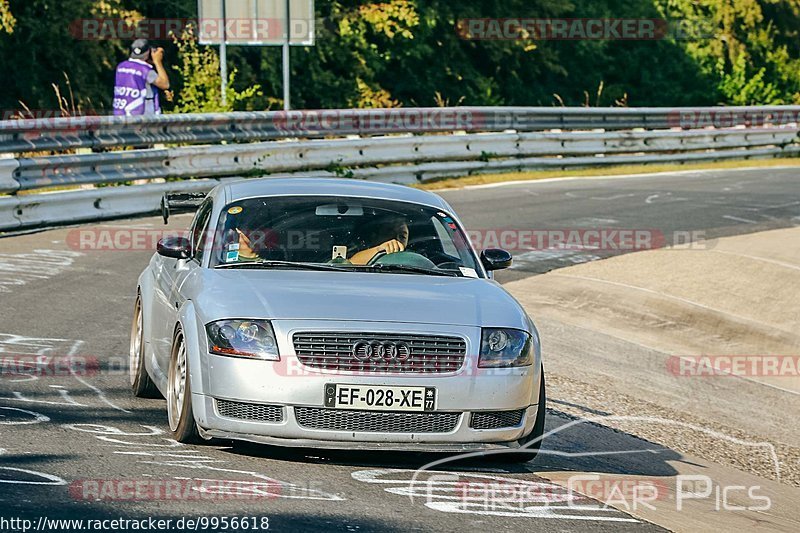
[{"x": 168, "y": 298}]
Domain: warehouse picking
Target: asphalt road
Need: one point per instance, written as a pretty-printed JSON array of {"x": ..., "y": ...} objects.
[
  {"x": 66, "y": 441},
  {"x": 693, "y": 204}
]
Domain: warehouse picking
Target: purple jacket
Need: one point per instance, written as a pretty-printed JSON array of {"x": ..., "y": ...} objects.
[{"x": 134, "y": 93}]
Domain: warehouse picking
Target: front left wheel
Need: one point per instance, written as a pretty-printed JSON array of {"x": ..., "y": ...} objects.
[
  {"x": 179, "y": 394},
  {"x": 532, "y": 442}
]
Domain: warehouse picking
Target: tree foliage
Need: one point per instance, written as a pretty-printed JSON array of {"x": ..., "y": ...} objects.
[
  {"x": 199, "y": 69},
  {"x": 408, "y": 52},
  {"x": 6, "y": 18}
]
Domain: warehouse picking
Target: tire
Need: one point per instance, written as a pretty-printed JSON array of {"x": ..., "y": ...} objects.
[
  {"x": 141, "y": 384},
  {"x": 179, "y": 394},
  {"x": 535, "y": 435}
]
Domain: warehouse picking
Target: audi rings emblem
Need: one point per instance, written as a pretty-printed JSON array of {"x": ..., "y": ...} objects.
[{"x": 381, "y": 351}]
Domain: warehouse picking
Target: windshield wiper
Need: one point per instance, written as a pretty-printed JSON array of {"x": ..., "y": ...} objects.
[
  {"x": 413, "y": 269},
  {"x": 285, "y": 264}
]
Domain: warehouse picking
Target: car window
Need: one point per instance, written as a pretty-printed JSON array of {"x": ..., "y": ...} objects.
[
  {"x": 200, "y": 228},
  {"x": 448, "y": 246},
  {"x": 341, "y": 230}
]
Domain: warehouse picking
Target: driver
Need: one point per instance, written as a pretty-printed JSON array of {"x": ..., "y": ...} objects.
[{"x": 390, "y": 232}]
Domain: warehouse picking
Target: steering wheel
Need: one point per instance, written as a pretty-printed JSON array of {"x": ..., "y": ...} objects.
[
  {"x": 374, "y": 259},
  {"x": 404, "y": 258}
]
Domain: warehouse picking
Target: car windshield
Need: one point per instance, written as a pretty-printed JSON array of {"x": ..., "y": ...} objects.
[{"x": 350, "y": 233}]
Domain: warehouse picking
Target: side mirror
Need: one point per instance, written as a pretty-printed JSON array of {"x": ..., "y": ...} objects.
[
  {"x": 495, "y": 259},
  {"x": 175, "y": 247}
]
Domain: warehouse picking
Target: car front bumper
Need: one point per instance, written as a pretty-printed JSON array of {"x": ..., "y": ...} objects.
[
  {"x": 289, "y": 387},
  {"x": 289, "y": 432}
]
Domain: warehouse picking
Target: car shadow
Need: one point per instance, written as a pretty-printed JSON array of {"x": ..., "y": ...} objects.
[{"x": 571, "y": 444}]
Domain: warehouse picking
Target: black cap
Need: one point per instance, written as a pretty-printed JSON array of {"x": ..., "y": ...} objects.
[{"x": 139, "y": 49}]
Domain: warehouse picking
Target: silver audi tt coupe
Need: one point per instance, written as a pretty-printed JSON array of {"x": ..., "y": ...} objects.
[{"x": 335, "y": 313}]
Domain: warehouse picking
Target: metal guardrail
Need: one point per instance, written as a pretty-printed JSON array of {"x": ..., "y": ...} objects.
[
  {"x": 103, "y": 132},
  {"x": 476, "y": 140}
]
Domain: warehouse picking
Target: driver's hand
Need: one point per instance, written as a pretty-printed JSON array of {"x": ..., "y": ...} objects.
[
  {"x": 245, "y": 249},
  {"x": 391, "y": 247}
]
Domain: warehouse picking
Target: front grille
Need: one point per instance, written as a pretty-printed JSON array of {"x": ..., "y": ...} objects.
[
  {"x": 376, "y": 421},
  {"x": 250, "y": 411},
  {"x": 428, "y": 354},
  {"x": 496, "y": 419}
]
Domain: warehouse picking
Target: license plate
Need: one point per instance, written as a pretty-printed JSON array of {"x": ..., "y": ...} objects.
[{"x": 381, "y": 398}]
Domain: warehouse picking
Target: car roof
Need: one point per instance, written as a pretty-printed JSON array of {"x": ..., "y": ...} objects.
[{"x": 254, "y": 187}]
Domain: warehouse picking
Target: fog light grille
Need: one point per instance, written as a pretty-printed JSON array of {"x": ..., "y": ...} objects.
[
  {"x": 375, "y": 421},
  {"x": 496, "y": 419},
  {"x": 250, "y": 411}
]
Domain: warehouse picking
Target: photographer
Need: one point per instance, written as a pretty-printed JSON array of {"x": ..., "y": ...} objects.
[{"x": 137, "y": 81}]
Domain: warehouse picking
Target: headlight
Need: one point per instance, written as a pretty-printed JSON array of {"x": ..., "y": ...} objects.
[
  {"x": 243, "y": 338},
  {"x": 505, "y": 348}
]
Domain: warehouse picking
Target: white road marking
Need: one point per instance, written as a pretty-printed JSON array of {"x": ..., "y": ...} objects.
[
  {"x": 21, "y": 345},
  {"x": 650, "y": 199},
  {"x": 50, "y": 478},
  {"x": 756, "y": 258},
  {"x": 18, "y": 396},
  {"x": 20, "y": 269},
  {"x": 682, "y": 173},
  {"x": 603, "y": 420},
  {"x": 665, "y": 295},
  {"x": 530, "y": 511},
  {"x": 739, "y": 219},
  {"x": 110, "y": 430},
  {"x": 188, "y": 458},
  {"x": 449, "y": 492},
  {"x": 594, "y": 221},
  {"x": 779, "y": 206},
  {"x": 563, "y": 255},
  {"x": 170, "y": 442},
  {"x": 613, "y": 197},
  {"x": 38, "y": 418},
  {"x": 293, "y": 491}
]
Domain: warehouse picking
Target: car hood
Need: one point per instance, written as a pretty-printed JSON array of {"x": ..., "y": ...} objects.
[{"x": 298, "y": 295}]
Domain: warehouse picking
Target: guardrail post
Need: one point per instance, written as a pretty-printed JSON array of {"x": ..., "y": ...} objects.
[{"x": 8, "y": 184}]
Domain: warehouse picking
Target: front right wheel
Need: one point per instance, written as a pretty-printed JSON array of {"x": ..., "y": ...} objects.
[{"x": 141, "y": 384}]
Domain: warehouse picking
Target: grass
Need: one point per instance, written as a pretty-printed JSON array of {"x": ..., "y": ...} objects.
[{"x": 483, "y": 179}]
